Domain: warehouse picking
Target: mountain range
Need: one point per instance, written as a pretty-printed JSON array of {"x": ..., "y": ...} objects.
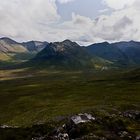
[
  {"x": 121, "y": 53},
  {"x": 68, "y": 54}
]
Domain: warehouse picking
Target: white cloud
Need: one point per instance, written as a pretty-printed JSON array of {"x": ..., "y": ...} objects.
[
  {"x": 39, "y": 20},
  {"x": 122, "y": 24},
  {"x": 26, "y": 18},
  {"x": 103, "y": 10},
  {"x": 64, "y": 1},
  {"x": 118, "y": 4}
]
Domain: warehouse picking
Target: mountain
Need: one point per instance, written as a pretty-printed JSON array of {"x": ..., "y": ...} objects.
[
  {"x": 69, "y": 54},
  {"x": 34, "y": 46},
  {"x": 131, "y": 49},
  {"x": 11, "y": 50},
  {"x": 66, "y": 54},
  {"x": 108, "y": 51},
  {"x": 100, "y": 55},
  {"x": 8, "y": 45},
  {"x": 121, "y": 53}
]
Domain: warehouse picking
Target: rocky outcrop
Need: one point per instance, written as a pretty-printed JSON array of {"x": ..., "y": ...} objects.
[
  {"x": 83, "y": 126},
  {"x": 82, "y": 118},
  {"x": 132, "y": 114}
]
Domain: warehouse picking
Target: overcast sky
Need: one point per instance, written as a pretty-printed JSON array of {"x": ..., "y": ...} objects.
[{"x": 84, "y": 21}]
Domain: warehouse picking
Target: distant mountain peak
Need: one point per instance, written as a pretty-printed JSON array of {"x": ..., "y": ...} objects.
[
  {"x": 8, "y": 40},
  {"x": 102, "y": 43},
  {"x": 132, "y": 41},
  {"x": 70, "y": 43},
  {"x": 106, "y": 42},
  {"x": 64, "y": 45},
  {"x": 67, "y": 41},
  {"x": 5, "y": 38}
]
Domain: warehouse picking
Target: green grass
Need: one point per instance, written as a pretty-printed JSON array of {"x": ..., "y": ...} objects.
[{"x": 46, "y": 95}]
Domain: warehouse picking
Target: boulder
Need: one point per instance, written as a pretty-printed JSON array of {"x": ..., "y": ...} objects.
[
  {"x": 132, "y": 114},
  {"x": 82, "y": 118}
]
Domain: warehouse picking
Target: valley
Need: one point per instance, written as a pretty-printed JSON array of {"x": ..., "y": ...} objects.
[
  {"x": 42, "y": 93},
  {"x": 69, "y": 70}
]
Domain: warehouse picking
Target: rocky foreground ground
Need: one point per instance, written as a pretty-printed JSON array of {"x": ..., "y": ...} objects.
[{"x": 85, "y": 126}]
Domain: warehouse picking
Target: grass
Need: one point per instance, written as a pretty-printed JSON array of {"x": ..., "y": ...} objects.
[
  {"x": 30, "y": 96},
  {"x": 4, "y": 56}
]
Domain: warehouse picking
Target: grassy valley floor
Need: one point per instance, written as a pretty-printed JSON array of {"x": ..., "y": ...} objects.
[{"x": 28, "y": 97}]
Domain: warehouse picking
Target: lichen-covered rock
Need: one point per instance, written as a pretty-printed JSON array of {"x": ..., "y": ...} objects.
[
  {"x": 138, "y": 138},
  {"x": 63, "y": 136},
  {"x": 7, "y": 126},
  {"x": 126, "y": 135},
  {"x": 104, "y": 126},
  {"x": 132, "y": 114},
  {"x": 82, "y": 118}
]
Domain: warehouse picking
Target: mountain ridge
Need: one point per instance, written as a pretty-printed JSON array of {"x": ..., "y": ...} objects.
[
  {"x": 119, "y": 54},
  {"x": 64, "y": 54}
]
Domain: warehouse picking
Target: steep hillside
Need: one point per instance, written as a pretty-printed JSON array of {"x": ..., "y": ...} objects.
[
  {"x": 8, "y": 45},
  {"x": 109, "y": 52},
  {"x": 131, "y": 50},
  {"x": 12, "y": 51},
  {"x": 66, "y": 54},
  {"x": 121, "y": 53}
]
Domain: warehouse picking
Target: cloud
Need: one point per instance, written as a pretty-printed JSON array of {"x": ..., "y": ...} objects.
[
  {"x": 64, "y": 1},
  {"x": 118, "y": 4},
  {"x": 103, "y": 10},
  {"x": 122, "y": 24},
  {"x": 39, "y": 20},
  {"x": 26, "y": 18}
]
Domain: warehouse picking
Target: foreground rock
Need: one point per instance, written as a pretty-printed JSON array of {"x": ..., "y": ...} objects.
[
  {"x": 82, "y": 118},
  {"x": 86, "y": 126},
  {"x": 132, "y": 114}
]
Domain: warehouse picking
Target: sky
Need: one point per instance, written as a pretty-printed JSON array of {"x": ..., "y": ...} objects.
[{"x": 83, "y": 21}]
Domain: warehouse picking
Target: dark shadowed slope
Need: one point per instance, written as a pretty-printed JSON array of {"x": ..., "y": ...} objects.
[
  {"x": 35, "y": 46},
  {"x": 131, "y": 50},
  {"x": 109, "y": 52},
  {"x": 64, "y": 54},
  {"x": 121, "y": 53}
]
